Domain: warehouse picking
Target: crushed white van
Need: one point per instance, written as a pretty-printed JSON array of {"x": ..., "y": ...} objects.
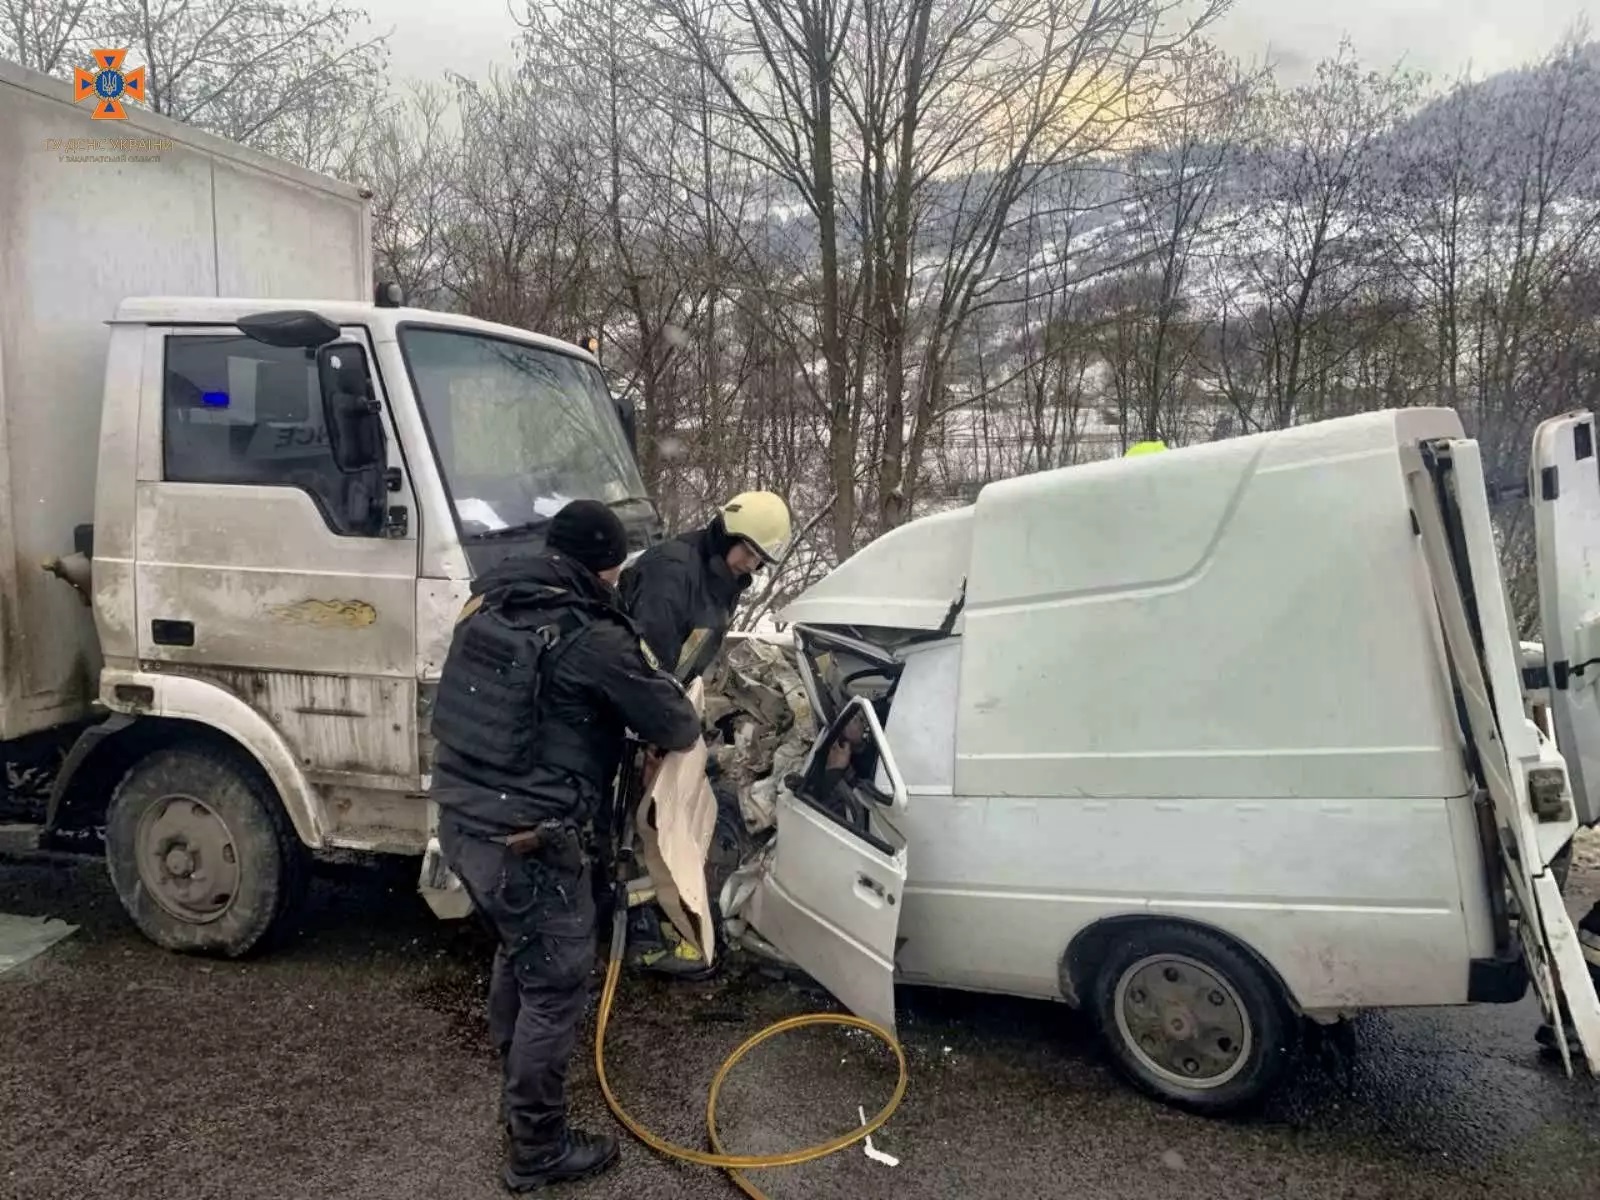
[{"x": 1203, "y": 742}]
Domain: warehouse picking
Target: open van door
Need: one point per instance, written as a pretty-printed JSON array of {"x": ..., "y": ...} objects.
[
  {"x": 1565, "y": 489},
  {"x": 830, "y": 898},
  {"x": 1521, "y": 771}
]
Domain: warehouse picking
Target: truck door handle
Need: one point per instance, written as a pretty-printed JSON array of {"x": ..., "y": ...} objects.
[{"x": 172, "y": 633}]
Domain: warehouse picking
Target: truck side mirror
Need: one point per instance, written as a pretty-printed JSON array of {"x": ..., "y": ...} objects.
[
  {"x": 355, "y": 429},
  {"x": 629, "y": 416}
]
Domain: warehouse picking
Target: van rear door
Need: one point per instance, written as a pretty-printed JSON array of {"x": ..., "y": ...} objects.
[
  {"x": 1565, "y": 488},
  {"x": 1521, "y": 771},
  {"x": 831, "y": 895}
]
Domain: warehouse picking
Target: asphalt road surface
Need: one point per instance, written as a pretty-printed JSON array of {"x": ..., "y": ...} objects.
[{"x": 354, "y": 1063}]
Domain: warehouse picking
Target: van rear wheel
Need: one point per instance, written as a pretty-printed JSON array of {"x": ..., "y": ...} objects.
[
  {"x": 201, "y": 852},
  {"x": 1192, "y": 1019}
]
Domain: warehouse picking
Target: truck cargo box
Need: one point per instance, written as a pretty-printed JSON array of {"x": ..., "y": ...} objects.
[{"x": 92, "y": 212}]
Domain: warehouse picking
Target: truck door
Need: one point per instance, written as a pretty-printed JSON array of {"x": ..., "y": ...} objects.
[
  {"x": 1565, "y": 488},
  {"x": 259, "y": 565},
  {"x": 830, "y": 897},
  {"x": 1521, "y": 771}
]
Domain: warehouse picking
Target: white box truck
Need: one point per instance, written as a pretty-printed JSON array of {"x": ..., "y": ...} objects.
[
  {"x": 1204, "y": 742},
  {"x": 268, "y": 509}
]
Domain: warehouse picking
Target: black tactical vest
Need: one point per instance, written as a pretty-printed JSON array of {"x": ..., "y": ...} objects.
[{"x": 504, "y": 645}]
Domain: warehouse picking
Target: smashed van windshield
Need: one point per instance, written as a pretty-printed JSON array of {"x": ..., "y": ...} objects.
[{"x": 519, "y": 430}]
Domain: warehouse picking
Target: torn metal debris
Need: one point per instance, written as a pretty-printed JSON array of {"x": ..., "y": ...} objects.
[
  {"x": 757, "y": 702},
  {"x": 765, "y": 729}
]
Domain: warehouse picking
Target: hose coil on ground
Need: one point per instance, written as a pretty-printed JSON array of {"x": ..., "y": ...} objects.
[{"x": 736, "y": 1164}]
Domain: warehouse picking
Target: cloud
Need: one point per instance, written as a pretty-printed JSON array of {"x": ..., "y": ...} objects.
[
  {"x": 1438, "y": 36},
  {"x": 430, "y": 38}
]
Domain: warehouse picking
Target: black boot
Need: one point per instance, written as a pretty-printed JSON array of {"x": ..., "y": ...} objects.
[
  {"x": 1545, "y": 1035},
  {"x": 579, "y": 1156}
]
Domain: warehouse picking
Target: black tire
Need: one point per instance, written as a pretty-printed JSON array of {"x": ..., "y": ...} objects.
[
  {"x": 1204, "y": 1026},
  {"x": 202, "y": 854}
]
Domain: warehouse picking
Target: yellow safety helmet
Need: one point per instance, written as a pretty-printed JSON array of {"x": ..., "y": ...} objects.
[
  {"x": 1139, "y": 448},
  {"x": 761, "y": 519}
]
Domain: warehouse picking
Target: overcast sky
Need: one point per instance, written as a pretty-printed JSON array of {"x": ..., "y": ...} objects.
[{"x": 430, "y": 36}]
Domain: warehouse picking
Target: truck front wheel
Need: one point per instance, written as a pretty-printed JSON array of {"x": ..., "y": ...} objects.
[{"x": 201, "y": 852}]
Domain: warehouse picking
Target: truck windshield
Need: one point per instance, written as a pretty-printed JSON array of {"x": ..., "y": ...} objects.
[{"x": 519, "y": 430}]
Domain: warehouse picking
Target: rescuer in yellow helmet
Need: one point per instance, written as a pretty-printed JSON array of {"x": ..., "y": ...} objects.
[{"x": 682, "y": 594}]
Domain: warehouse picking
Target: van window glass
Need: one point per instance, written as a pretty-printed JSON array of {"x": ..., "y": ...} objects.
[
  {"x": 237, "y": 411},
  {"x": 839, "y": 780}
]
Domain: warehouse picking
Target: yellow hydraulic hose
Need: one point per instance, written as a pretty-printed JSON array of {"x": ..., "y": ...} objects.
[{"x": 736, "y": 1164}]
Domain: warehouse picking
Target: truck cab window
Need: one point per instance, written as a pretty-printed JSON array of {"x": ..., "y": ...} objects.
[{"x": 236, "y": 411}]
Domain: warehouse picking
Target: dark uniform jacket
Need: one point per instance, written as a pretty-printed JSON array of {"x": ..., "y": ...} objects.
[
  {"x": 599, "y": 684},
  {"x": 682, "y": 596}
]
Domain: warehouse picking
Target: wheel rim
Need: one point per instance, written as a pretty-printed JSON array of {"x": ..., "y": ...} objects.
[
  {"x": 187, "y": 859},
  {"x": 1183, "y": 1021}
]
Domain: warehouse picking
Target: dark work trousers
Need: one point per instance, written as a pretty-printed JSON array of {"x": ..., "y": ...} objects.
[{"x": 544, "y": 917}]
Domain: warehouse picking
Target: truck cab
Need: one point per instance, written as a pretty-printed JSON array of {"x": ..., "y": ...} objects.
[{"x": 290, "y": 506}]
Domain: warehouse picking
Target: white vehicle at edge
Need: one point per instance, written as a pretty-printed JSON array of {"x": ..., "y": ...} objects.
[{"x": 1202, "y": 742}]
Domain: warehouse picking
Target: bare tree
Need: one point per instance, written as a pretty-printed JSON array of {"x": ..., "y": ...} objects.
[
  {"x": 1315, "y": 162},
  {"x": 1533, "y": 317},
  {"x": 298, "y": 79},
  {"x": 45, "y": 35},
  {"x": 1011, "y": 98},
  {"x": 1176, "y": 175},
  {"x": 774, "y": 66},
  {"x": 1430, "y": 204},
  {"x": 912, "y": 125},
  {"x": 601, "y": 84},
  {"x": 523, "y": 237},
  {"x": 410, "y": 167}
]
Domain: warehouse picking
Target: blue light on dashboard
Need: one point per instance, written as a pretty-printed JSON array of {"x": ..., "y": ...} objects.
[{"x": 214, "y": 399}]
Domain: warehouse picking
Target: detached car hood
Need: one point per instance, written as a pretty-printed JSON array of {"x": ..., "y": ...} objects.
[{"x": 907, "y": 579}]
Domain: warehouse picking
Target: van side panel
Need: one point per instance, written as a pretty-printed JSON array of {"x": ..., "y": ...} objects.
[
  {"x": 1207, "y": 686},
  {"x": 1248, "y": 619},
  {"x": 1354, "y": 903}
]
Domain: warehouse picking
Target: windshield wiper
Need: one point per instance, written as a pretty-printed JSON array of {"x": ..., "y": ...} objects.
[{"x": 521, "y": 529}]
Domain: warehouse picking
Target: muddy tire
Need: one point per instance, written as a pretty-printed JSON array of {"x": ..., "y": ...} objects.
[
  {"x": 202, "y": 854},
  {"x": 1191, "y": 1019}
]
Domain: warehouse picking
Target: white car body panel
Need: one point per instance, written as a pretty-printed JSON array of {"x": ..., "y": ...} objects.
[{"x": 1213, "y": 685}]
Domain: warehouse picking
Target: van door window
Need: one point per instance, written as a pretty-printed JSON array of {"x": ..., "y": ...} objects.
[
  {"x": 844, "y": 775},
  {"x": 237, "y": 411}
]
